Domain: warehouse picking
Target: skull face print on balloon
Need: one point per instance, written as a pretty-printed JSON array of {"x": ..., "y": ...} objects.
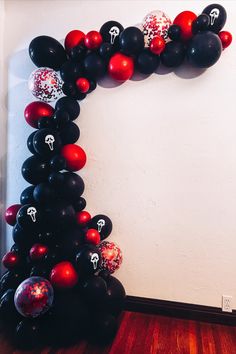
[
  {"x": 94, "y": 260},
  {"x": 49, "y": 139},
  {"x": 114, "y": 32},
  {"x": 31, "y": 211}
]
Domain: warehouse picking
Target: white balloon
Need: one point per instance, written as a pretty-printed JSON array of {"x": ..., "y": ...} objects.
[{"x": 156, "y": 23}]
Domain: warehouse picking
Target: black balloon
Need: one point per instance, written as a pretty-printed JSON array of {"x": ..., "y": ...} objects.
[
  {"x": 104, "y": 328},
  {"x": 70, "y": 133},
  {"x": 103, "y": 224},
  {"x": 147, "y": 62},
  {"x": 57, "y": 163},
  {"x": 204, "y": 49},
  {"x": 46, "y": 51},
  {"x": 46, "y": 122},
  {"x": 10, "y": 280},
  {"x": 79, "y": 204},
  {"x": 47, "y": 142},
  {"x": 40, "y": 271},
  {"x": 77, "y": 53},
  {"x": 131, "y": 41},
  {"x": 60, "y": 215},
  {"x": 217, "y": 15},
  {"x": 26, "y": 196},
  {"x": 44, "y": 193},
  {"x": 92, "y": 85},
  {"x": 35, "y": 170},
  {"x": 69, "y": 89},
  {"x": 88, "y": 260},
  {"x": 28, "y": 334},
  {"x": 69, "y": 105},
  {"x": 106, "y": 50},
  {"x": 94, "y": 290},
  {"x": 173, "y": 54},
  {"x": 30, "y": 143},
  {"x": 73, "y": 187},
  {"x": 111, "y": 31},
  {"x": 115, "y": 298},
  {"x": 70, "y": 71},
  {"x": 29, "y": 217},
  {"x": 71, "y": 241},
  {"x": 8, "y": 312},
  {"x": 56, "y": 179},
  {"x": 61, "y": 118},
  {"x": 47, "y": 237},
  {"x": 174, "y": 32},
  {"x": 24, "y": 238},
  {"x": 201, "y": 23},
  {"x": 54, "y": 256},
  {"x": 94, "y": 66}
]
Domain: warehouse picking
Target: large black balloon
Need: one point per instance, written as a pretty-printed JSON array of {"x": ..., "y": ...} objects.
[
  {"x": 173, "y": 54},
  {"x": 70, "y": 133},
  {"x": 71, "y": 241},
  {"x": 60, "y": 215},
  {"x": 204, "y": 49},
  {"x": 217, "y": 15},
  {"x": 78, "y": 53},
  {"x": 69, "y": 105},
  {"x": 26, "y": 196},
  {"x": 94, "y": 290},
  {"x": 8, "y": 312},
  {"x": 103, "y": 328},
  {"x": 46, "y": 51},
  {"x": 35, "y": 170},
  {"x": 106, "y": 50},
  {"x": 103, "y": 224},
  {"x": 28, "y": 334},
  {"x": 131, "y": 41},
  {"x": 30, "y": 143},
  {"x": 61, "y": 117},
  {"x": 111, "y": 31},
  {"x": 29, "y": 217},
  {"x": 44, "y": 193},
  {"x": 115, "y": 298},
  {"x": 94, "y": 66},
  {"x": 70, "y": 71},
  {"x": 47, "y": 142},
  {"x": 147, "y": 62},
  {"x": 56, "y": 179},
  {"x": 57, "y": 163},
  {"x": 46, "y": 122},
  {"x": 88, "y": 260},
  {"x": 72, "y": 188},
  {"x": 24, "y": 238}
]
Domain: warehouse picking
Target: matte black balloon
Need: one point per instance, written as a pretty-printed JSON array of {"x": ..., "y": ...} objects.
[
  {"x": 26, "y": 196},
  {"x": 201, "y": 23},
  {"x": 56, "y": 179},
  {"x": 44, "y": 193},
  {"x": 111, "y": 31},
  {"x": 24, "y": 238},
  {"x": 60, "y": 215},
  {"x": 104, "y": 328},
  {"x": 54, "y": 256},
  {"x": 92, "y": 85},
  {"x": 57, "y": 163},
  {"x": 88, "y": 260},
  {"x": 77, "y": 53},
  {"x": 204, "y": 50},
  {"x": 61, "y": 117},
  {"x": 79, "y": 204},
  {"x": 40, "y": 270},
  {"x": 8, "y": 312},
  {"x": 15, "y": 248},
  {"x": 46, "y": 122},
  {"x": 147, "y": 62},
  {"x": 94, "y": 66},
  {"x": 10, "y": 280},
  {"x": 28, "y": 334},
  {"x": 29, "y": 217},
  {"x": 69, "y": 89},
  {"x": 69, "y": 105},
  {"x": 173, "y": 54},
  {"x": 70, "y": 71},
  {"x": 94, "y": 290},
  {"x": 115, "y": 298},
  {"x": 47, "y": 142},
  {"x": 217, "y": 15},
  {"x": 131, "y": 41},
  {"x": 30, "y": 143},
  {"x": 46, "y": 51},
  {"x": 73, "y": 187},
  {"x": 70, "y": 133},
  {"x": 103, "y": 224},
  {"x": 47, "y": 237},
  {"x": 71, "y": 241},
  {"x": 35, "y": 170},
  {"x": 106, "y": 50},
  {"x": 174, "y": 32}
]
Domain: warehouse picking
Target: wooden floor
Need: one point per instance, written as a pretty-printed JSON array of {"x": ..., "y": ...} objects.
[{"x": 144, "y": 334}]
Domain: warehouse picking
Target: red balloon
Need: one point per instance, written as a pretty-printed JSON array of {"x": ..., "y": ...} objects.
[
  {"x": 185, "y": 20},
  {"x": 83, "y": 217},
  {"x": 74, "y": 38},
  {"x": 121, "y": 67},
  {"x": 93, "y": 40},
  {"x": 226, "y": 38},
  {"x": 92, "y": 236},
  {"x": 63, "y": 275},
  {"x": 38, "y": 251},
  {"x": 11, "y": 212},
  {"x": 10, "y": 260},
  {"x": 157, "y": 45},
  {"x": 75, "y": 157},
  {"x": 35, "y": 110},
  {"x": 83, "y": 84}
]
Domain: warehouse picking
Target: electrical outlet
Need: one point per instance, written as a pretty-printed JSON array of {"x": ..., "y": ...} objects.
[{"x": 227, "y": 303}]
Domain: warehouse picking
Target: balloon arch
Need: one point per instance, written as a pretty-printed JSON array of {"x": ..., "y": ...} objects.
[{"x": 58, "y": 284}]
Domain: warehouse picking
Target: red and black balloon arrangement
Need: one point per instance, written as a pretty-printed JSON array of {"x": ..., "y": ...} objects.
[{"x": 58, "y": 286}]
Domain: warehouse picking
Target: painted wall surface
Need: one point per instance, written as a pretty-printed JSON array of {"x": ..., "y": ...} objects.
[{"x": 161, "y": 152}]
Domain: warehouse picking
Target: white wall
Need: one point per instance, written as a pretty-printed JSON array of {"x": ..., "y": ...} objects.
[{"x": 161, "y": 153}]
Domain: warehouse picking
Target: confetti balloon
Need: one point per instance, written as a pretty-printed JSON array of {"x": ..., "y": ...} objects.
[
  {"x": 33, "y": 297},
  {"x": 156, "y": 23},
  {"x": 45, "y": 84},
  {"x": 111, "y": 256}
]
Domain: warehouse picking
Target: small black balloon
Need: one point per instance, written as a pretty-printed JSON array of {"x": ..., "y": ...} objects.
[
  {"x": 174, "y": 32},
  {"x": 131, "y": 41},
  {"x": 57, "y": 163},
  {"x": 79, "y": 204},
  {"x": 10, "y": 280},
  {"x": 111, "y": 31},
  {"x": 173, "y": 54},
  {"x": 147, "y": 62},
  {"x": 88, "y": 260},
  {"x": 94, "y": 66},
  {"x": 204, "y": 50},
  {"x": 40, "y": 271},
  {"x": 106, "y": 50},
  {"x": 77, "y": 53},
  {"x": 92, "y": 85},
  {"x": 103, "y": 224},
  {"x": 30, "y": 143},
  {"x": 28, "y": 334},
  {"x": 46, "y": 51},
  {"x": 70, "y": 71},
  {"x": 94, "y": 289},
  {"x": 44, "y": 193},
  {"x": 69, "y": 89},
  {"x": 70, "y": 133},
  {"x": 54, "y": 256},
  {"x": 47, "y": 142},
  {"x": 24, "y": 238},
  {"x": 61, "y": 117},
  {"x": 56, "y": 179},
  {"x": 26, "y": 196},
  {"x": 72, "y": 188},
  {"x": 35, "y": 170},
  {"x": 218, "y": 16},
  {"x": 69, "y": 105},
  {"x": 201, "y": 23},
  {"x": 29, "y": 217},
  {"x": 46, "y": 122}
]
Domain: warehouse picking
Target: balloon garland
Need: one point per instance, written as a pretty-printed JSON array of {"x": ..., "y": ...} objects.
[{"x": 58, "y": 285}]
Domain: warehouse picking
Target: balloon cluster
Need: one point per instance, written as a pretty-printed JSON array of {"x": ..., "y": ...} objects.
[{"x": 58, "y": 285}]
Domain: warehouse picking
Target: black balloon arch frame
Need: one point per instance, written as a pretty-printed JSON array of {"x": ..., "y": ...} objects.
[{"x": 59, "y": 286}]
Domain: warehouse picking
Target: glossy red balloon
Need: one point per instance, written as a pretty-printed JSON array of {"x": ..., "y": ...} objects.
[
  {"x": 93, "y": 40},
  {"x": 38, "y": 251},
  {"x": 157, "y": 45},
  {"x": 10, "y": 260},
  {"x": 83, "y": 217},
  {"x": 36, "y": 110},
  {"x": 63, "y": 275},
  {"x": 82, "y": 84},
  {"x": 121, "y": 67},
  {"x": 226, "y": 38},
  {"x": 74, "y": 38},
  {"x": 185, "y": 20},
  {"x": 92, "y": 236},
  {"x": 11, "y": 212},
  {"x": 75, "y": 157}
]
